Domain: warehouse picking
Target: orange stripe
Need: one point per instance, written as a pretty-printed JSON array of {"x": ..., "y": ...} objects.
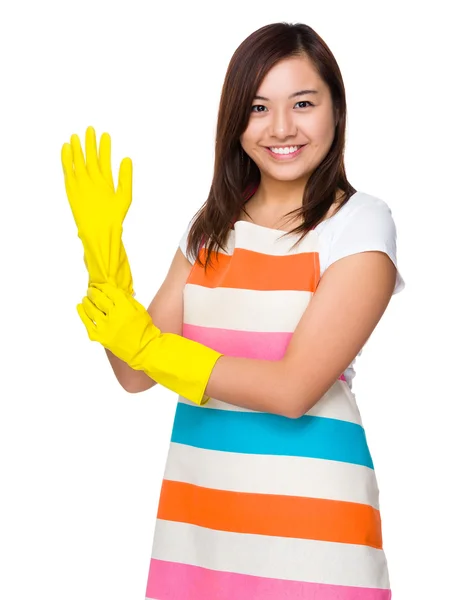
[
  {"x": 250, "y": 270},
  {"x": 266, "y": 514}
]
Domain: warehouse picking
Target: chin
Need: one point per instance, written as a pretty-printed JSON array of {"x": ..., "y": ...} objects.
[{"x": 289, "y": 177}]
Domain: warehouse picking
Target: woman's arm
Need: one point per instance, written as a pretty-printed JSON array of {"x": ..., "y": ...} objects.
[
  {"x": 345, "y": 309},
  {"x": 131, "y": 380},
  {"x": 166, "y": 311}
]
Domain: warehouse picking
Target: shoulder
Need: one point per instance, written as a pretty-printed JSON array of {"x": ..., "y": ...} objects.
[
  {"x": 362, "y": 203},
  {"x": 362, "y": 215},
  {"x": 183, "y": 243}
]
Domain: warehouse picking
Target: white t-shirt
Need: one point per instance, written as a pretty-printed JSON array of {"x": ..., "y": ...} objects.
[{"x": 363, "y": 224}]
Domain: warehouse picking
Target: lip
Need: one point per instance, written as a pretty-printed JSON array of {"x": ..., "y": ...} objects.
[{"x": 281, "y": 157}]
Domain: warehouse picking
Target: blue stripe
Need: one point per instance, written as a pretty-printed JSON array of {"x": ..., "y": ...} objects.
[{"x": 264, "y": 433}]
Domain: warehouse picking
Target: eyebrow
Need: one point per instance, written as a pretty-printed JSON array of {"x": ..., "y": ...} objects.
[{"x": 300, "y": 93}]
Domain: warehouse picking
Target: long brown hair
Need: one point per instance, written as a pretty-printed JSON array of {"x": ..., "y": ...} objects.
[{"x": 235, "y": 173}]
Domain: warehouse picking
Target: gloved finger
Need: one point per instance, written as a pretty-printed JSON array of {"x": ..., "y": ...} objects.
[
  {"x": 112, "y": 292},
  {"x": 105, "y": 163},
  {"x": 92, "y": 163},
  {"x": 125, "y": 181},
  {"x": 91, "y": 328},
  {"x": 77, "y": 156},
  {"x": 66, "y": 160},
  {"x": 100, "y": 300},
  {"x": 94, "y": 313}
]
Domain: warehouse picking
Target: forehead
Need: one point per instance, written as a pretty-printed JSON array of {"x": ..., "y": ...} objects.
[{"x": 290, "y": 75}]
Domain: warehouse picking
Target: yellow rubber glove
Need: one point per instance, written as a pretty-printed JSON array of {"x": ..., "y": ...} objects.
[
  {"x": 98, "y": 209},
  {"x": 124, "y": 326}
]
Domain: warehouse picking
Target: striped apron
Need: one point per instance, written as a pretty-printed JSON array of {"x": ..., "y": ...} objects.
[{"x": 255, "y": 505}]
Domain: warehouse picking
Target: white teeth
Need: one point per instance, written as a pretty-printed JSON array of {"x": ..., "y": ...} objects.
[{"x": 287, "y": 150}]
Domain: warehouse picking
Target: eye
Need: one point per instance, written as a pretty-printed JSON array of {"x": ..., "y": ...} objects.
[{"x": 305, "y": 102}]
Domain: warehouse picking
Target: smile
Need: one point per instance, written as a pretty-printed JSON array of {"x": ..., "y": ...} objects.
[{"x": 286, "y": 153}]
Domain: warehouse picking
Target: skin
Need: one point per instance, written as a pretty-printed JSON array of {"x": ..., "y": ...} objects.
[{"x": 283, "y": 121}]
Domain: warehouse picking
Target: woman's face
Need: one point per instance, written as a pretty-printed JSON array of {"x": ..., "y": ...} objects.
[{"x": 283, "y": 117}]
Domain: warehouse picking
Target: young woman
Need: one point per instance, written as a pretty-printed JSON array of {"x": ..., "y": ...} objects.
[{"x": 279, "y": 280}]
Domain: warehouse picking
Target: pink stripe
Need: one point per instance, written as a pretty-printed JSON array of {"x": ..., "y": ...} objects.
[
  {"x": 174, "y": 581},
  {"x": 243, "y": 344}
]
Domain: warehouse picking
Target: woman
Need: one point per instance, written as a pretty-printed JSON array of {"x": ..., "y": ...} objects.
[{"x": 279, "y": 280}]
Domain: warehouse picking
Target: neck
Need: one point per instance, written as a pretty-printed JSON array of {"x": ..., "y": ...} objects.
[{"x": 279, "y": 195}]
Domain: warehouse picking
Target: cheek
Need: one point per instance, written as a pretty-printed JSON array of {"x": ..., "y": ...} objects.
[
  {"x": 250, "y": 135},
  {"x": 321, "y": 130}
]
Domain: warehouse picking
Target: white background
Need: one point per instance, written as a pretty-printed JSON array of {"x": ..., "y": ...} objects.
[{"x": 82, "y": 460}]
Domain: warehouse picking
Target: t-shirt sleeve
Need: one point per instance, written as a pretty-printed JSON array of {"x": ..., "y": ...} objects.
[
  {"x": 184, "y": 241},
  {"x": 368, "y": 227}
]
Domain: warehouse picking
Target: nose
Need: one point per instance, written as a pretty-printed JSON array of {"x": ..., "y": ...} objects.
[{"x": 283, "y": 124}]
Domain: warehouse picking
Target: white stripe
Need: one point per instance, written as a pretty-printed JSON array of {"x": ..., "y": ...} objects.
[
  {"x": 271, "y": 556},
  {"x": 267, "y": 474},
  {"x": 270, "y": 241},
  {"x": 267, "y": 241},
  {"x": 244, "y": 310},
  {"x": 338, "y": 402}
]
